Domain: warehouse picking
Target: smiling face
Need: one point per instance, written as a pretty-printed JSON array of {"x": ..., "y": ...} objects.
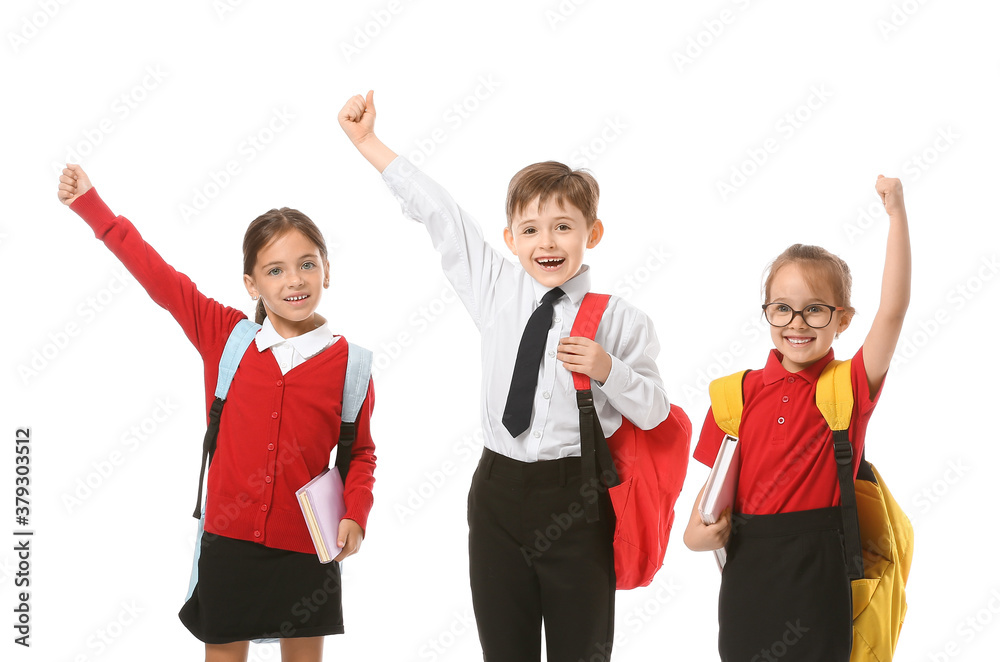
[
  {"x": 289, "y": 277},
  {"x": 800, "y": 344},
  {"x": 550, "y": 242}
]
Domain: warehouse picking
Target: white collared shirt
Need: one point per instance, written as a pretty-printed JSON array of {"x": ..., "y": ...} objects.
[
  {"x": 292, "y": 352},
  {"x": 500, "y": 296}
]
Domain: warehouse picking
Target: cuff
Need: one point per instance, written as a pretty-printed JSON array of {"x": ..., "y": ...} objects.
[
  {"x": 398, "y": 168},
  {"x": 617, "y": 379},
  {"x": 398, "y": 176},
  {"x": 92, "y": 209},
  {"x": 358, "y": 508}
]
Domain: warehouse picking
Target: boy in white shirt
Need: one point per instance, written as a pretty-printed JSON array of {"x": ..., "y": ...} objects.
[{"x": 523, "y": 569}]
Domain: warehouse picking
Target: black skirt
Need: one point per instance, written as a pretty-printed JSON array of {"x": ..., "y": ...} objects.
[
  {"x": 785, "y": 592},
  {"x": 248, "y": 591}
]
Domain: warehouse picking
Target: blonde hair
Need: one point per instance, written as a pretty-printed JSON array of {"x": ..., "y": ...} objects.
[{"x": 821, "y": 267}]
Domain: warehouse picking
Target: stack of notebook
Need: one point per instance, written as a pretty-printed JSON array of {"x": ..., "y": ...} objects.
[
  {"x": 720, "y": 489},
  {"x": 322, "y": 503}
]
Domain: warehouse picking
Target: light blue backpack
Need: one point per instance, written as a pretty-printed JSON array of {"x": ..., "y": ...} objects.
[{"x": 359, "y": 365}]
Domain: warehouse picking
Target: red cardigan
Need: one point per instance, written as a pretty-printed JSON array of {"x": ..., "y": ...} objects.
[{"x": 277, "y": 431}]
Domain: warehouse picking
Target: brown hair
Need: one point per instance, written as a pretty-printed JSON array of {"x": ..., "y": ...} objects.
[
  {"x": 822, "y": 268},
  {"x": 551, "y": 178},
  {"x": 269, "y": 226}
]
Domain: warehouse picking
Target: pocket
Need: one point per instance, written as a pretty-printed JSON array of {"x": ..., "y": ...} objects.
[
  {"x": 862, "y": 591},
  {"x": 621, "y": 501}
]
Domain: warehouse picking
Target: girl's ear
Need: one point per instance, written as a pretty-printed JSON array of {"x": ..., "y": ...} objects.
[
  {"x": 249, "y": 284},
  {"x": 596, "y": 232},
  {"x": 845, "y": 321}
]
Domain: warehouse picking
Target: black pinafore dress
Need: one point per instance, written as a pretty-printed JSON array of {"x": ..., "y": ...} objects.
[{"x": 785, "y": 592}]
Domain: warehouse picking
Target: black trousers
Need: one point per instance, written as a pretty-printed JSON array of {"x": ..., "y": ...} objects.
[
  {"x": 533, "y": 557},
  {"x": 785, "y": 593}
]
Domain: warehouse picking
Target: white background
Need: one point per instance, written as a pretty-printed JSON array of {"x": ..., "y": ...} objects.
[{"x": 905, "y": 89}]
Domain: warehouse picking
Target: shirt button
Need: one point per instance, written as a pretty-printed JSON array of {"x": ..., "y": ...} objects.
[
  {"x": 267, "y": 479},
  {"x": 784, "y": 398},
  {"x": 270, "y": 447},
  {"x": 263, "y": 507},
  {"x": 274, "y": 414},
  {"x": 536, "y": 434},
  {"x": 781, "y": 420},
  {"x": 279, "y": 383},
  {"x": 546, "y": 395},
  {"x": 256, "y": 534}
]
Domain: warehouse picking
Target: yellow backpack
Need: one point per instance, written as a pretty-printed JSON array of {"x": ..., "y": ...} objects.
[{"x": 878, "y": 537}]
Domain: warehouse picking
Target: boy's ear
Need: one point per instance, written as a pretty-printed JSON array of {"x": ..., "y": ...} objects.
[
  {"x": 508, "y": 238},
  {"x": 596, "y": 232},
  {"x": 249, "y": 284}
]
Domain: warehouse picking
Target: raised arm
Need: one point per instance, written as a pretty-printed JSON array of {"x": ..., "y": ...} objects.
[
  {"x": 470, "y": 263},
  {"x": 881, "y": 340},
  {"x": 72, "y": 184},
  {"x": 206, "y": 322},
  {"x": 357, "y": 119}
]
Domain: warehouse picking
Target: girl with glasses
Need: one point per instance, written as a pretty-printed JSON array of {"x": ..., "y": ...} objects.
[{"x": 785, "y": 587}]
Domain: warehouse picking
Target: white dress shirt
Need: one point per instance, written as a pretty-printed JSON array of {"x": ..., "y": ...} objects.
[
  {"x": 292, "y": 352},
  {"x": 500, "y": 296}
]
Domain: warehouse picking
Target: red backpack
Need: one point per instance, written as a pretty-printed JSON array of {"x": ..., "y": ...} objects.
[{"x": 651, "y": 466}]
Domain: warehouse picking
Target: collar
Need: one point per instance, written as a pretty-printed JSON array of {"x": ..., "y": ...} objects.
[
  {"x": 309, "y": 344},
  {"x": 575, "y": 288},
  {"x": 774, "y": 371}
]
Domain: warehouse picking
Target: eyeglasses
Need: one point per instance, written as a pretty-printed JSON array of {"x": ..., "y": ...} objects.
[{"x": 815, "y": 315}]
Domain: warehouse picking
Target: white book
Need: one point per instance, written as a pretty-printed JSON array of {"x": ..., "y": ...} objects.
[{"x": 720, "y": 489}]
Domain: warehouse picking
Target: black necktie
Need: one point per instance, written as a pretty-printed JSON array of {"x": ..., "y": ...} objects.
[{"x": 517, "y": 411}]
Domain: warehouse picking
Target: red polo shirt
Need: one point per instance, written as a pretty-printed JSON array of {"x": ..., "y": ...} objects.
[
  {"x": 277, "y": 431},
  {"x": 786, "y": 447}
]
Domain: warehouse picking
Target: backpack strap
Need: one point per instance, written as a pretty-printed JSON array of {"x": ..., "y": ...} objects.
[
  {"x": 359, "y": 369},
  {"x": 594, "y": 451},
  {"x": 726, "y": 394},
  {"x": 835, "y": 399},
  {"x": 585, "y": 326},
  {"x": 834, "y": 395},
  {"x": 236, "y": 345}
]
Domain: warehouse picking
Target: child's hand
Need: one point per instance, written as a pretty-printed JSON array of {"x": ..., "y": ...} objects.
[
  {"x": 585, "y": 356},
  {"x": 890, "y": 190},
  {"x": 349, "y": 537},
  {"x": 357, "y": 117},
  {"x": 73, "y": 183},
  {"x": 701, "y": 537}
]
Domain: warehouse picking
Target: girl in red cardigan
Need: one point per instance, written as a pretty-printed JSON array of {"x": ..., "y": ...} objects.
[
  {"x": 258, "y": 570},
  {"x": 785, "y": 588}
]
